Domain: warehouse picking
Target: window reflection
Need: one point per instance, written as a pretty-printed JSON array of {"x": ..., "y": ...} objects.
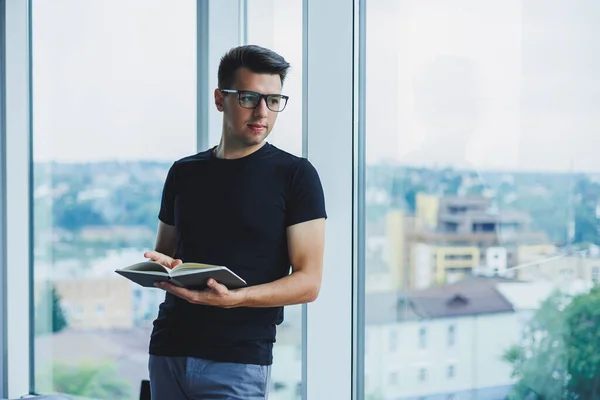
[
  {"x": 481, "y": 197},
  {"x": 108, "y": 85}
]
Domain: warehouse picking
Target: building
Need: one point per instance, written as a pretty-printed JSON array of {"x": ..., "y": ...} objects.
[
  {"x": 557, "y": 267},
  {"x": 496, "y": 264},
  {"x": 427, "y": 208},
  {"x": 107, "y": 303},
  {"x": 450, "y": 237},
  {"x": 440, "y": 343},
  {"x": 92, "y": 296}
]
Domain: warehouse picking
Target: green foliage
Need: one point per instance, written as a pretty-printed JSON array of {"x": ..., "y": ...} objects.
[
  {"x": 410, "y": 198},
  {"x": 97, "y": 381},
  {"x": 373, "y": 396},
  {"x": 128, "y": 194},
  {"x": 73, "y": 196},
  {"x": 451, "y": 185},
  {"x": 50, "y": 316},
  {"x": 549, "y": 213},
  {"x": 540, "y": 364},
  {"x": 59, "y": 320},
  {"x": 559, "y": 357},
  {"x": 71, "y": 215},
  {"x": 583, "y": 344},
  {"x": 587, "y": 199}
]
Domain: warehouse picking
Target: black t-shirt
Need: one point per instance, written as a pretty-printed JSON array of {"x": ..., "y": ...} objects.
[{"x": 233, "y": 213}]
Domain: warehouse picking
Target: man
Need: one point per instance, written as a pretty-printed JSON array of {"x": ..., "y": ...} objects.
[{"x": 249, "y": 206}]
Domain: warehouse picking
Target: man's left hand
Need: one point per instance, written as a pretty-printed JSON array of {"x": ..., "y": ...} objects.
[{"x": 215, "y": 294}]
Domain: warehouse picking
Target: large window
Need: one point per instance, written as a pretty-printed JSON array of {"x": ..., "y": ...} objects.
[
  {"x": 482, "y": 189},
  {"x": 114, "y": 100},
  {"x": 482, "y": 199},
  {"x": 277, "y": 25}
]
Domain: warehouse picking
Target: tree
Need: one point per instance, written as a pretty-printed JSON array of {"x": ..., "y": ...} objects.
[
  {"x": 559, "y": 357},
  {"x": 70, "y": 214},
  {"x": 583, "y": 344},
  {"x": 586, "y": 225},
  {"x": 587, "y": 199},
  {"x": 451, "y": 184},
  {"x": 59, "y": 320},
  {"x": 50, "y": 316}
]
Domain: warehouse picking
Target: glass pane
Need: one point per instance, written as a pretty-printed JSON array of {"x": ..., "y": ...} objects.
[
  {"x": 483, "y": 199},
  {"x": 114, "y": 89},
  {"x": 277, "y": 25}
]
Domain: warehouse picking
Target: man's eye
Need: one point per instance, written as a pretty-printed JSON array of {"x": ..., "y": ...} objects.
[{"x": 248, "y": 98}]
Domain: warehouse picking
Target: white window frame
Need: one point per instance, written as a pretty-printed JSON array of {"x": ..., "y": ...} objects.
[
  {"x": 3, "y": 366},
  {"x": 15, "y": 187},
  {"x": 329, "y": 137}
]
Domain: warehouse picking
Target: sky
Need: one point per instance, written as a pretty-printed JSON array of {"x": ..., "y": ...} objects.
[{"x": 509, "y": 85}]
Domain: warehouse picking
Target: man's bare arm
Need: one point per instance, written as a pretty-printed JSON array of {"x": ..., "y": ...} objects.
[
  {"x": 166, "y": 239},
  {"x": 305, "y": 245},
  {"x": 166, "y": 244}
]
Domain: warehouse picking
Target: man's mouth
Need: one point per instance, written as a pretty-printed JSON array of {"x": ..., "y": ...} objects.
[{"x": 257, "y": 127}]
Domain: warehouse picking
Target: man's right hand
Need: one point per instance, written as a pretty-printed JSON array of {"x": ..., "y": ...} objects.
[{"x": 163, "y": 259}]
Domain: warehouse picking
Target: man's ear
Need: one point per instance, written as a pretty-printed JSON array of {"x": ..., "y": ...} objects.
[{"x": 219, "y": 100}]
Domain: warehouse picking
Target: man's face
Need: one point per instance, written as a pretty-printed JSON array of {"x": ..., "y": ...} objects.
[{"x": 248, "y": 127}]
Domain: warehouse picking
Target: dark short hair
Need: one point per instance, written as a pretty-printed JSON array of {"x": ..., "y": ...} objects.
[{"x": 257, "y": 59}]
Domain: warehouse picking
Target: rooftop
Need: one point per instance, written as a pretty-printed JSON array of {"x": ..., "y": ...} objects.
[{"x": 470, "y": 296}]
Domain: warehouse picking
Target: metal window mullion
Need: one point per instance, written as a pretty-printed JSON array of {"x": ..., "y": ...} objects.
[
  {"x": 3, "y": 307},
  {"x": 202, "y": 74},
  {"x": 359, "y": 226}
]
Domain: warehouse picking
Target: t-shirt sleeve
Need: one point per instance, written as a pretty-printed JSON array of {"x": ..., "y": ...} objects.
[
  {"x": 167, "y": 203},
  {"x": 306, "y": 199}
]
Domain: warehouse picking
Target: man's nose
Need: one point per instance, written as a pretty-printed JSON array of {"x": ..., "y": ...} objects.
[{"x": 261, "y": 108}]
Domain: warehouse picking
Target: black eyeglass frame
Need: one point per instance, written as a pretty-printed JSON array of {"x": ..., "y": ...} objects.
[{"x": 261, "y": 97}]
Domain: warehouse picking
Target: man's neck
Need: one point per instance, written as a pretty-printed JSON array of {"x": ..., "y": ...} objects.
[{"x": 231, "y": 153}]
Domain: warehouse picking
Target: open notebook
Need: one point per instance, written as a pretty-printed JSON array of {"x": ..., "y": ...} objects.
[{"x": 187, "y": 275}]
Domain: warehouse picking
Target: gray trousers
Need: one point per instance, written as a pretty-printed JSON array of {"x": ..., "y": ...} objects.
[{"x": 187, "y": 378}]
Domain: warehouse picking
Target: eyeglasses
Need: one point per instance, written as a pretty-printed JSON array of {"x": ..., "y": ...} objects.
[{"x": 250, "y": 99}]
